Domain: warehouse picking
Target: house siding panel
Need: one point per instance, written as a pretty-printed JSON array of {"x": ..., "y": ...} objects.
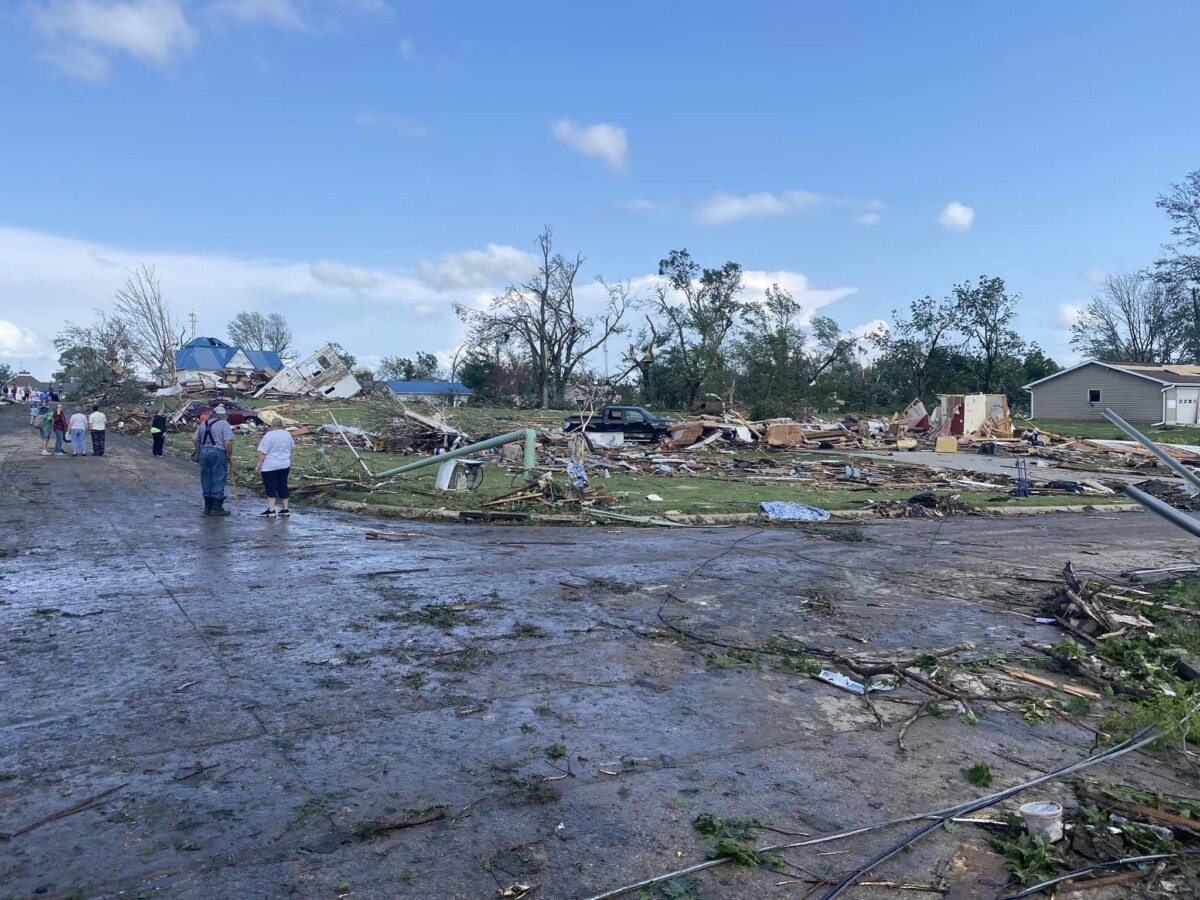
[{"x": 1066, "y": 397}]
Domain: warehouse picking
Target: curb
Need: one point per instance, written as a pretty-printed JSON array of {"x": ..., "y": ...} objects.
[{"x": 860, "y": 516}]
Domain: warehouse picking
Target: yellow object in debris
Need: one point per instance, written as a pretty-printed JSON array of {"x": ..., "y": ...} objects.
[
  {"x": 906, "y": 444},
  {"x": 946, "y": 445}
]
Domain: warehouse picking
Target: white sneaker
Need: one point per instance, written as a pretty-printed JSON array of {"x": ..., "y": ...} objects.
[{"x": 47, "y": 453}]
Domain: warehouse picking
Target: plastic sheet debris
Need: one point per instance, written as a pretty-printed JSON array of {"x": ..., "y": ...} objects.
[
  {"x": 789, "y": 511},
  {"x": 837, "y": 679}
]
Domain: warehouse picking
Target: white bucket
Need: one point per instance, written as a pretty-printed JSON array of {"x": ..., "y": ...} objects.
[{"x": 1043, "y": 818}]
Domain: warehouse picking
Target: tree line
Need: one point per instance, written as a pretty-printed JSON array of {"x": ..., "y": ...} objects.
[{"x": 697, "y": 335}]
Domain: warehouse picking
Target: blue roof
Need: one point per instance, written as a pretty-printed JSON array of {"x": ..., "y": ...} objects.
[
  {"x": 211, "y": 354},
  {"x": 428, "y": 387},
  {"x": 264, "y": 359}
]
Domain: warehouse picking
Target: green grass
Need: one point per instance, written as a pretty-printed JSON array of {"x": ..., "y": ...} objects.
[{"x": 1105, "y": 430}]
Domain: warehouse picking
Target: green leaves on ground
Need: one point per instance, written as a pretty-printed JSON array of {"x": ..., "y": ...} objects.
[{"x": 979, "y": 774}]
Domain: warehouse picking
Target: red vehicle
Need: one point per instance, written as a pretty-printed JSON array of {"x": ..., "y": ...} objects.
[{"x": 237, "y": 413}]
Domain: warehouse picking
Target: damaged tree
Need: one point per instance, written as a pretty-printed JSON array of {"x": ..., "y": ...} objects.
[
  {"x": 697, "y": 328},
  {"x": 540, "y": 316},
  {"x": 152, "y": 330}
]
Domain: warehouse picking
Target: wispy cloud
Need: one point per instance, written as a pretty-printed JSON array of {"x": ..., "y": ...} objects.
[
  {"x": 867, "y": 218},
  {"x": 84, "y": 35},
  {"x": 391, "y": 122},
  {"x": 496, "y": 264},
  {"x": 407, "y": 48},
  {"x": 604, "y": 141},
  {"x": 722, "y": 208},
  {"x": 637, "y": 204},
  {"x": 269, "y": 13},
  {"x": 956, "y": 217},
  {"x": 340, "y": 275}
]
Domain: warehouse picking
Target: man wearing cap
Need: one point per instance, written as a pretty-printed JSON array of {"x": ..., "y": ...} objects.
[{"x": 214, "y": 438}]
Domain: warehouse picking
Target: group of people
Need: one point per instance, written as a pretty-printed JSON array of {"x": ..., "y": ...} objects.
[
  {"x": 25, "y": 394},
  {"x": 214, "y": 452},
  {"x": 214, "y": 449},
  {"x": 76, "y": 429}
]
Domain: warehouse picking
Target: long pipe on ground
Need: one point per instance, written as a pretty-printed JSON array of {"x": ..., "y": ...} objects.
[
  {"x": 1167, "y": 460},
  {"x": 1164, "y": 510},
  {"x": 526, "y": 434}
]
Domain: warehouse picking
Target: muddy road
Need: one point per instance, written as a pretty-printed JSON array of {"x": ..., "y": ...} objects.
[{"x": 211, "y": 708}]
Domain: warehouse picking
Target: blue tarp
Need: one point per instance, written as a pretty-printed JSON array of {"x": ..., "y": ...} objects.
[{"x": 787, "y": 511}]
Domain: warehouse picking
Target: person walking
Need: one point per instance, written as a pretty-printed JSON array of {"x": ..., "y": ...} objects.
[
  {"x": 47, "y": 428},
  {"x": 158, "y": 429},
  {"x": 97, "y": 425},
  {"x": 274, "y": 462},
  {"x": 79, "y": 424},
  {"x": 60, "y": 429},
  {"x": 35, "y": 412},
  {"x": 214, "y": 439}
]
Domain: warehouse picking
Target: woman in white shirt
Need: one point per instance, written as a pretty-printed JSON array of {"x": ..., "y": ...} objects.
[
  {"x": 274, "y": 462},
  {"x": 78, "y": 428}
]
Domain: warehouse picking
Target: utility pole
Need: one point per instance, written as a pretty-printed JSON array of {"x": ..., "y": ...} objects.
[{"x": 193, "y": 318}]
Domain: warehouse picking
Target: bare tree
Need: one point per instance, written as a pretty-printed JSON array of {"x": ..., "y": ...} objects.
[
  {"x": 254, "y": 331},
  {"x": 541, "y": 317},
  {"x": 1133, "y": 318},
  {"x": 152, "y": 330}
]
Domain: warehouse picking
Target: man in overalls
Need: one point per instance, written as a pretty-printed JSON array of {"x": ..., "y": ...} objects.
[{"x": 214, "y": 438}]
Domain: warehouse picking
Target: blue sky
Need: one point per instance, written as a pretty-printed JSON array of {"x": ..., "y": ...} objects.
[{"x": 360, "y": 165}]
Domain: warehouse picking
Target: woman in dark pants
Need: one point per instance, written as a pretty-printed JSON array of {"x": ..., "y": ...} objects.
[{"x": 274, "y": 462}]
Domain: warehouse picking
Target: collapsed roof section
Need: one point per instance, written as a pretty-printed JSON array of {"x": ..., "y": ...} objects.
[{"x": 321, "y": 375}]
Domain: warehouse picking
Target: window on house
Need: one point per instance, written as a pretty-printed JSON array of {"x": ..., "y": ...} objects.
[{"x": 1094, "y": 395}]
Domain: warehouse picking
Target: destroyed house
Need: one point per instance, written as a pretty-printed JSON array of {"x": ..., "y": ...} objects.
[
  {"x": 205, "y": 356},
  {"x": 1147, "y": 393},
  {"x": 323, "y": 374},
  {"x": 454, "y": 392}
]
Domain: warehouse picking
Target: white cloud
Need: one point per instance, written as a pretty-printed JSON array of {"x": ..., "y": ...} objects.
[
  {"x": 956, "y": 217},
  {"x": 407, "y": 48},
  {"x": 335, "y": 274},
  {"x": 17, "y": 342},
  {"x": 83, "y": 34},
  {"x": 867, "y": 218},
  {"x": 427, "y": 310},
  {"x": 1095, "y": 276},
  {"x": 637, "y": 204},
  {"x": 810, "y": 299},
  {"x": 1068, "y": 314},
  {"x": 391, "y": 122},
  {"x": 722, "y": 208},
  {"x": 604, "y": 141},
  {"x": 868, "y": 351},
  {"x": 271, "y": 13},
  {"x": 497, "y": 264}
]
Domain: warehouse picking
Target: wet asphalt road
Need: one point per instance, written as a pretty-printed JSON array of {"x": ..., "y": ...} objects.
[{"x": 266, "y": 709}]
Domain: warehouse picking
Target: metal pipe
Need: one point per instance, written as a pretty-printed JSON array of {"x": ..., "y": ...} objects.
[
  {"x": 1165, "y": 510},
  {"x": 526, "y": 434},
  {"x": 1169, "y": 461}
]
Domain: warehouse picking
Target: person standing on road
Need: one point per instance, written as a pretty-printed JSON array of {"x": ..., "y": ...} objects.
[
  {"x": 214, "y": 439},
  {"x": 60, "y": 429},
  {"x": 274, "y": 462},
  {"x": 97, "y": 425},
  {"x": 79, "y": 424},
  {"x": 35, "y": 410},
  {"x": 158, "y": 429},
  {"x": 47, "y": 428}
]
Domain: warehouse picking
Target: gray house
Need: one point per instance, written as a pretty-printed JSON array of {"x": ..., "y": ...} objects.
[{"x": 1149, "y": 393}]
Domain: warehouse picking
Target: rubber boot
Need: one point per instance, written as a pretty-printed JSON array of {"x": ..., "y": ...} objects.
[
  {"x": 219, "y": 508},
  {"x": 208, "y": 506}
]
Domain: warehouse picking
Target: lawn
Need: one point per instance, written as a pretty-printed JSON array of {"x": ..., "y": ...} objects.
[{"x": 1104, "y": 430}]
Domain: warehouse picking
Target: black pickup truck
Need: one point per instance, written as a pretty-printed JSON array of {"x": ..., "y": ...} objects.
[{"x": 636, "y": 423}]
